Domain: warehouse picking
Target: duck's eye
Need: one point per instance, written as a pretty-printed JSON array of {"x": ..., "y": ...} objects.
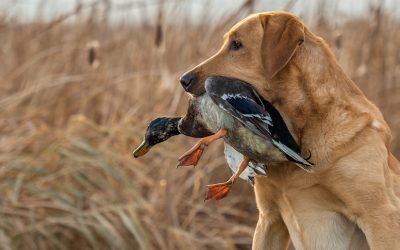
[{"x": 235, "y": 45}]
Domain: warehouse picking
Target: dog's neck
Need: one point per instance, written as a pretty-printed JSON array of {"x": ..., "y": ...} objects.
[{"x": 309, "y": 88}]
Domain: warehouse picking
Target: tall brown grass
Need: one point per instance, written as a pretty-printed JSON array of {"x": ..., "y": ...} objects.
[{"x": 67, "y": 127}]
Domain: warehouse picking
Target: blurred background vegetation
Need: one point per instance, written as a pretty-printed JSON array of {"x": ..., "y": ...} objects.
[{"x": 80, "y": 80}]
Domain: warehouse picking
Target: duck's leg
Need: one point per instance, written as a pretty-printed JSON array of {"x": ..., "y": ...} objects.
[
  {"x": 191, "y": 157},
  {"x": 220, "y": 190}
]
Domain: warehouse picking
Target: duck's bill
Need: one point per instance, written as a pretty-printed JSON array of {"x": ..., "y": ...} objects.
[{"x": 142, "y": 149}]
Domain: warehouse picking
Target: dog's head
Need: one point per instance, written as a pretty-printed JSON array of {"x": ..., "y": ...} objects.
[{"x": 255, "y": 50}]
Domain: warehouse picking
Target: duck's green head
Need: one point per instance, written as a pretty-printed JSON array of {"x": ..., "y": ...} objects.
[{"x": 159, "y": 130}]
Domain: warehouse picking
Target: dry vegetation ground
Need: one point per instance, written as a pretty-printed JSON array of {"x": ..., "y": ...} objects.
[{"x": 67, "y": 177}]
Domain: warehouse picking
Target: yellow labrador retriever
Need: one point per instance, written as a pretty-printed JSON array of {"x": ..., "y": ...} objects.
[{"x": 352, "y": 200}]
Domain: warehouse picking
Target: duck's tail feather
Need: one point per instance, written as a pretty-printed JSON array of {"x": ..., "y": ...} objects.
[
  {"x": 294, "y": 156},
  {"x": 258, "y": 168}
]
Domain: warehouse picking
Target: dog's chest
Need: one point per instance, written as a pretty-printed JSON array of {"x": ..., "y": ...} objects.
[{"x": 308, "y": 210}]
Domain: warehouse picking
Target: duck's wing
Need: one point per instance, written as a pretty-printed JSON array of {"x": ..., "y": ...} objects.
[
  {"x": 283, "y": 139},
  {"x": 246, "y": 110},
  {"x": 241, "y": 101}
]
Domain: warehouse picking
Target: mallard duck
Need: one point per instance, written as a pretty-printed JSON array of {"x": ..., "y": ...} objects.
[
  {"x": 161, "y": 129},
  {"x": 234, "y": 111}
]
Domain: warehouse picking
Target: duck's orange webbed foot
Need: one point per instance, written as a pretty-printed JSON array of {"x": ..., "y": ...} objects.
[
  {"x": 218, "y": 191},
  {"x": 192, "y": 157},
  {"x": 221, "y": 190}
]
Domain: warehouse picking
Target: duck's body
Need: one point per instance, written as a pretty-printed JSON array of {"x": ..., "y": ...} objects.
[
  {"x": 239, "y": 137},
  {"x": 254, "y": 127}
]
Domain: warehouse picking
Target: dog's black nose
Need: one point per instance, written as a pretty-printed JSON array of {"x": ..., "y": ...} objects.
[{"x": 187, "y": 80}]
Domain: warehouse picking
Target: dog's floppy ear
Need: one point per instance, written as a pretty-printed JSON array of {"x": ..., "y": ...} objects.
[{"x": 283, "y": 33}]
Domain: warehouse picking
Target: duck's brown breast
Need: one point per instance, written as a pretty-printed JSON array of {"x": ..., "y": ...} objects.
[{"x": 192, "y": 123}]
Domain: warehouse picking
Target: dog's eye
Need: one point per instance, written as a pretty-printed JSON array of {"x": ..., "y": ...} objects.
[{"x": 235, "y": 45}]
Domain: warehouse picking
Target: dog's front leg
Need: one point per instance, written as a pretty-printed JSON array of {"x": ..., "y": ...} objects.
[{"x": 271, "y": 233}]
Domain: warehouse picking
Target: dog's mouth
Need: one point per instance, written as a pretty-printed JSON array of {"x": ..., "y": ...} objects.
[{"x": 197, "y": 92}]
